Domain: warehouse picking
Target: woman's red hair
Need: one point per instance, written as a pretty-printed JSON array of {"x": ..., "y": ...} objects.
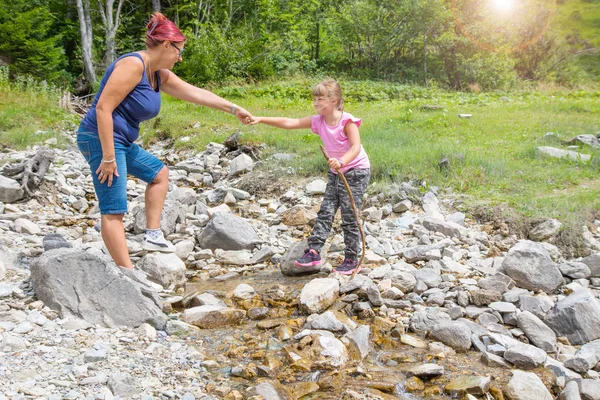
[{"x": 160, "y": 28}]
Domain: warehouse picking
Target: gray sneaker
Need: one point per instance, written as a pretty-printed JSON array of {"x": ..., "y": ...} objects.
[{"x": 161, "y": 244}]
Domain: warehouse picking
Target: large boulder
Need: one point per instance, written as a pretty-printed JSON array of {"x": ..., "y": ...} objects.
[
  {"x": 228, "y": 232},
  {"x": 577, "y": 317},
  {"x": 529, "y": 264},
  {"x": 82, "y": 285}
]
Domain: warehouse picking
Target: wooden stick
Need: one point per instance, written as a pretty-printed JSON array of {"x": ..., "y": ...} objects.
[{"x": 356, "y": 215}]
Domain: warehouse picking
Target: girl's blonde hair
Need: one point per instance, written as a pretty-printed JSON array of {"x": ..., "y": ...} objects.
[{"x": 330, "y": 89}]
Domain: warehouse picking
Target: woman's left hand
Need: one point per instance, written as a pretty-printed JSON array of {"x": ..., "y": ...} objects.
[{"x": 244, "y": 116}]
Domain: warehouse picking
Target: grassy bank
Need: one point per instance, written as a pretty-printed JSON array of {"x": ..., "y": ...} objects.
[{"x": 491, "y": 155}]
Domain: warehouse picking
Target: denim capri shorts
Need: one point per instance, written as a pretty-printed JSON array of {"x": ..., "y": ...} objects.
[{"x": 131, "y": 159}]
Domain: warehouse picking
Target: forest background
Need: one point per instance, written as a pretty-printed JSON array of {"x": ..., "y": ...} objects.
[{"x": 455, "y": 44}]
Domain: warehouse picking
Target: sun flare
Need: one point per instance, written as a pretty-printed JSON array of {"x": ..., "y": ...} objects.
[{"x": 503, "y": 5}]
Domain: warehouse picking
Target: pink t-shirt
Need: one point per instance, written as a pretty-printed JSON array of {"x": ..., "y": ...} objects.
[{"x": 336, "y": 142}]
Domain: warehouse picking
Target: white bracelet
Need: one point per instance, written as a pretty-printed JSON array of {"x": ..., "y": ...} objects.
[
  {"x": 233, "y": 109},
  {"x": 109, "y": 161}
]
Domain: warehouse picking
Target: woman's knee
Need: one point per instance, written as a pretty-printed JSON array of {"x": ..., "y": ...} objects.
[{"x": 162, "y": 178}]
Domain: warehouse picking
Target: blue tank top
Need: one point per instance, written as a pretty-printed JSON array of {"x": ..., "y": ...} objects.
[{"x": 141, "y": 104}]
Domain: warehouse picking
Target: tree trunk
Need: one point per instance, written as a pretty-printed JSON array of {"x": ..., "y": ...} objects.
[
  {"x": 85, "y": 29},
  {"x": 156, "y": 5},
  {"x": 110, "y": 20}
]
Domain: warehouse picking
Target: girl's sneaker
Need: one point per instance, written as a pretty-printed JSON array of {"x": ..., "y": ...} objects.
[
  {"x": 311, "y": 258},
  {"x": 347, "y": 267}
]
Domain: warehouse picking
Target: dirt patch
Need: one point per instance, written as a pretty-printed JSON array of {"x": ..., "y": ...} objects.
[
  {"x": 501, "y": 219},
  {"x": 267, "y": 183}
]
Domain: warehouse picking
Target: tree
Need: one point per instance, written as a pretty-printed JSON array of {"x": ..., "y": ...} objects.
[
  {"x": 110, "y": 22},
  {"x": 85, "y": 29},
  {"x": 27, "y": 42}
]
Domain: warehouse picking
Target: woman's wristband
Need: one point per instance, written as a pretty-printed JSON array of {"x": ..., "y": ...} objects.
[
  {"x": 109, "y": 161},
  {"x": 341, "y": 162},
  {"x": 233, "y": 109}
]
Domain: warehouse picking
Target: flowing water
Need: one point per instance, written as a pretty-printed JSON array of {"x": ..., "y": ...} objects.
[{"x": 382, "y": 370}]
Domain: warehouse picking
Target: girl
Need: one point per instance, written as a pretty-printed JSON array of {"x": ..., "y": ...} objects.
[
  {"x": 130, "y": 93},
  {"x": 339, "y": 132}
]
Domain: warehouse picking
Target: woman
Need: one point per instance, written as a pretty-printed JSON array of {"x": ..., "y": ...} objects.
[{"x": 130, "y": 93}]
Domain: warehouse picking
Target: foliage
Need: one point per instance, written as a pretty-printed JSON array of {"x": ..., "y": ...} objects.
[
  {"x": 444, "y": 43},
  {"x": 28, "y": 42}
]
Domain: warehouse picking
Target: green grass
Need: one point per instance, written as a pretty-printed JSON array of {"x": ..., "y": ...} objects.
[
  {"x": 492, "y": 154},
  {"x": 30, "y": 113}
]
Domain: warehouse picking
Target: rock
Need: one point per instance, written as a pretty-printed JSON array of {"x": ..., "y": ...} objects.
[
  {"x": 539, "y": 306},
  {"x": 81, "y": 285},
  {"x": 545, "y": 230},
  {"x": 454, "y": 334},
  {"x": 359, "y": 342},
  {"x": 525, "y": 356},
  {"x": 526, "y": 386},
  {"x": 570, "y": 392},
  {"x": 296, "y": 251},
  {"x": 426, "y": 371},
  {"x": 530, "y": 266},
  {"x": 164, "y": 268},
  {"x": 593, "y": 262},
  {"x": 316, "y": 187},
  {"x": 497, "y": 283},
  {"x": 576, "y": 317},
  {"x": 537, "y": 332},
  {"x": 560, "y": 153},
  {"x": 241, "y": 164},
  {"x": 10, "y": 190},
  {"x": 173, "y": 212},
  {"x": 55, "y": 241},
  {"x": 213, "y": 316},
  {"x": 228, "y": 232},
  {"x": 589, "y": 389},
  {"x": 446, "y": 228},
  {"x": 462, "y": 385},
  {"x": 319, "y": 294},
  {"x": 298, "y": 216},
  {"x": 425, "y": 320},
  {"x": 575, "y": 270},
  {"x": 123, "y": 385}
]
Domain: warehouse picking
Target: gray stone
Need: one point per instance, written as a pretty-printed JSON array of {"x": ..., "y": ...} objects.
[
  {"x": 454, "y": 334},
  {"x": 537, "y": 332},
  {"x": 570, "y": 392},
  {"x": 539, "y": 306},
  {"x": 425, "y": 320},
  {"x": 296, "y": 250},
  {"x": 529, "y": 264},
  {"x": 545, "y": 230},
  {"x": 10, "y": 190},
  {"x": 593, "y": 262},
  {"x": 317, "y": 295},
  {"x": 228, "y": 232},
  {"x": 577, "y": 317},
  {"x": 497, "y": 283},
  {"x": 81, "y": 285},
  {"x": 575, "y": 270},
  {"x": 526, "y": 386},
  {"x": 589, "y": 389},
  {"x": 525, "y": 356},
  {"x": 55, "y": 241},
  {"x": 241, "y": 164}
]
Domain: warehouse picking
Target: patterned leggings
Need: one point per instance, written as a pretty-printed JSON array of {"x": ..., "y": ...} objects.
[{"x": 336, "y": 197}]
